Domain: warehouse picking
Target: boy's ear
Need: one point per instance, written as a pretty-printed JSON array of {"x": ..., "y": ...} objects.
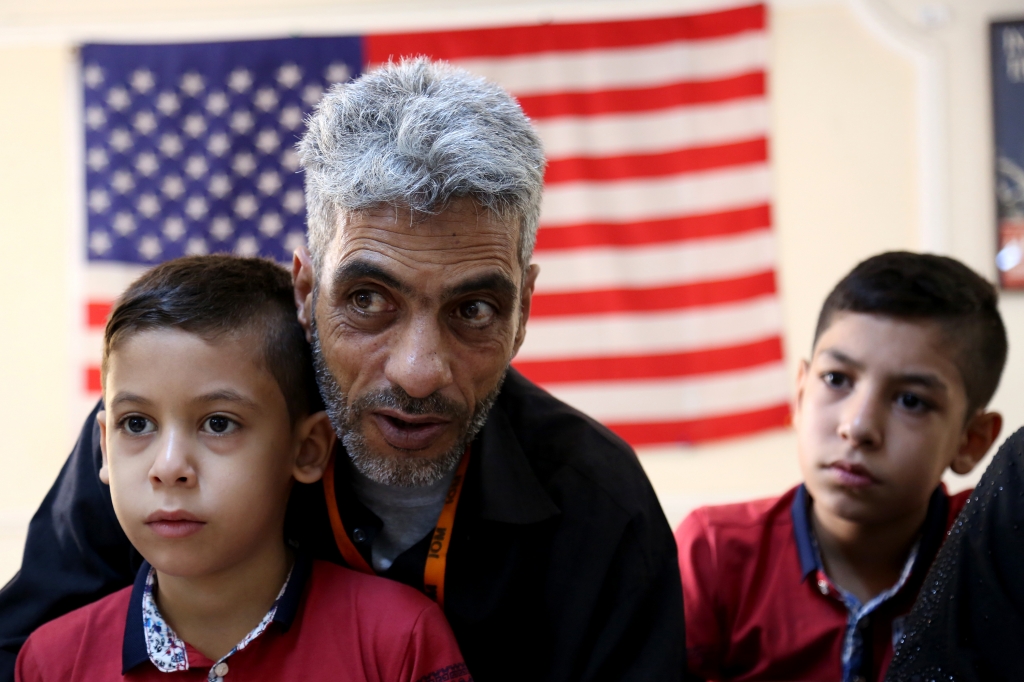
[
  {"x": 801, "y": 381},
  {"x": 979, "y": 434},
  {"x": 101, "y": 420},
  {"x": 316, "y": 443}
]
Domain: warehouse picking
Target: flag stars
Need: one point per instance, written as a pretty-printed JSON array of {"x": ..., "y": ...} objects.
[
  {"x": 142, "y": 81},
  {"x": 247, "y": 247},
  {"x": 291, "y": 117},
  {"x": 221, "y": 228},
  {"x": 100, "y": 242},
  {"x": 196, "y": 246},
  {"x": 294, "y": 201},
  {"x": 122, "y": 182},
  {"x": 294, "y": 240},
  {"x": 246, "y": 206},
  {"x": 269, "y": 182},
  {"x": 196, "y": 208},
  {"x": 337, "y": 72},
  {"x": 121, "y": 140},
  {"x": 219, "y": 185},
  {"x": 95, "y": 118},
  {"x": 145, "y": 122},
  {"x": 148, "y": 205},
  {"x": 240, "y": 80},
  {"x": 289, "y": 75},
  {"x": 312, "y": 93},
  {"x": 99, "y": 201},
  {"x": 174, "y": 228},
  {"x": 170, "y": 145},
  {"x": 266, "y": 99},
  {"x": 149, "y": 247},
  {"x": 271, "y": 224},
  {"x": 147, "y": 163},
  {"x": 118, "y": 98},
  {"x": 97, "y": 159},
  {"x": 172, "y": 187},
  {"x": 93, "y": 76},
  {"x": 192, "y": 84},
  {"x": 195, "y": 125},
  {"x": 218, "y": 144},
  {"x": 267, "y": 141},
  {"x": 168, "y": 103},
  {"x": 242, "y": 122},
  {"x": 244, "y": 164},
  {"x": 196, "y": 167},
  {"x": 124, "y": 223},
  {"x": 290, "y": 160},
  {"x": 217, "y": 103}
]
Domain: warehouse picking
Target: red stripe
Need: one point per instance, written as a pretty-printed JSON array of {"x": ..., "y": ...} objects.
[
  {"x": 654, "y": 231},
  {"x": 647, "y": 99},
  {"x": 657, "y": 165},
  {"x": 93, "y": 382},
  {"x": 97, "y": 312},
  {"x": 699, "y": 430},
  {"x": 653, "y": 366},
  {"x": 518, "y": 40},
  {"x": 692, "y": 295}
]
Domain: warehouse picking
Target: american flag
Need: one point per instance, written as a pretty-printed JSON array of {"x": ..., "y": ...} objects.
[{"x": 656, "y": 311}]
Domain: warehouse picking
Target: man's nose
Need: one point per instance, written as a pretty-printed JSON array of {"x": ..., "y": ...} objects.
[
  {"x": 174, "y": 465},
  {"x": 419, "y": 361},
  {"x": 863, "y": 417}
]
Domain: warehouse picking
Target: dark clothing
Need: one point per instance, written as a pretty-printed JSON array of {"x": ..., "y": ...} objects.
[
  {"x": 561, "y": 565},
  {"x": 968, "y": 624}
]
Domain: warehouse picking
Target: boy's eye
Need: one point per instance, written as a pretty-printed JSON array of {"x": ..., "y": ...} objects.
[
  {"x": 476, "y": 313},
  {"x": 220, "y": 425},
  {"x": 137, "y": 426},
  {"x": 836, "y": 379},
  {"x": 909, "y": 401}
]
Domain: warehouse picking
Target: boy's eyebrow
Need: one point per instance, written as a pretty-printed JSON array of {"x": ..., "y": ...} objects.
[
  {"x": 125, "y": 397},
  {"x": 842, "y": 357},
  {"x": 926, "y": 380},
  {"x": 497, "y": 282},
  {"x": 360, "y": 269},
  {"x": 227, "y": 395}
]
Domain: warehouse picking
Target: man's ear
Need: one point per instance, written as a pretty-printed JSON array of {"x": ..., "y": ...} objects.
[
  {"x": 303, "y": 279},
  {"x": 979, "y": 434},
  {"x": 802, "y": 373},
  {"x": 316, "y": 443},
  {"x": 101, "y": 420},
  {"x": 529, "y": 281}
]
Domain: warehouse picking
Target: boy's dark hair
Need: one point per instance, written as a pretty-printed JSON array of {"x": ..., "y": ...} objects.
[
  {"x": 215, "y": 295},
  {"x": 925, "y": 287}
]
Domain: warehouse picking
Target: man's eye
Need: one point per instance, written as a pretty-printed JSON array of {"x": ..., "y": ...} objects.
[
  {"x": 477, "y": 313},
  {"x": 138, "y": 426},
  {"x": 220, "y": 425},
  {"x": 369, "y": 302},
  {"x": 836, "y": 379}
]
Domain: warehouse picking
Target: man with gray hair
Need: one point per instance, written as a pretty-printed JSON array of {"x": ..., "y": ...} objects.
[{"x": 532, "y": 525}]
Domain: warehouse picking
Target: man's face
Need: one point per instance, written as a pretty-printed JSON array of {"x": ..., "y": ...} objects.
[
  {"x": 880, "y": 416},
  {"x": 414, "y": 323}
]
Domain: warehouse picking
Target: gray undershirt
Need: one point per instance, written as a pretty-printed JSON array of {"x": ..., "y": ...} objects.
[{"x": 408, "y": 514}]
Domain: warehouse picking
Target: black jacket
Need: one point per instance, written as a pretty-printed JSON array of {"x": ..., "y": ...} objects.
[{"x": 561, "y": 565}]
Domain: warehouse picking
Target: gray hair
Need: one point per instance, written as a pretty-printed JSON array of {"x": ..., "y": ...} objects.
[{"x": 417, "y": 134}]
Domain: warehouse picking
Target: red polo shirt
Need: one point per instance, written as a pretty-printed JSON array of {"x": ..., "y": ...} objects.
[
  {"x": 759, "y": 605},
  {"x": 329, "y": 623}
]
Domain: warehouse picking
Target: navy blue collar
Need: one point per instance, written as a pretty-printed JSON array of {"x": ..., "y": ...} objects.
[
  {"x": 133, "y": 650},
  {"x": 932, "y": 532}
]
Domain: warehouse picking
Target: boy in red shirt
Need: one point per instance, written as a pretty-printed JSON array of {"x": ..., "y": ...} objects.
[
  {"x": 813, "y": 585},
  {"x": 211, "y": 416}
]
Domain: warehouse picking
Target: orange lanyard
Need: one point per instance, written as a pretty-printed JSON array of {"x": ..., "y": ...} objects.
[{"x": 437, "y": 555}]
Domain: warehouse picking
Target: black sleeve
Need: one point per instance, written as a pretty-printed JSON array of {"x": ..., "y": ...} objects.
[{"x": 75, "y": 552}]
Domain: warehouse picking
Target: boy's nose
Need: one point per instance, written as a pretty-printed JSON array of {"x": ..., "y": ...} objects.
[
  {"x": 861, "y": 420},
  {"x": 173, "y": 463}
]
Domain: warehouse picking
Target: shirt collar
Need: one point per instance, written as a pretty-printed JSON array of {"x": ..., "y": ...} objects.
[
  {"x": 932, "y": 532},
  {"x": 134, "y": 651}
]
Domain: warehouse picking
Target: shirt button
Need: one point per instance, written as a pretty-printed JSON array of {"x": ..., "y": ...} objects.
[
  {"x": 823, "y": 586},
  {"x": 221, "y": 669},
  {"x": 359, "y": 535}
]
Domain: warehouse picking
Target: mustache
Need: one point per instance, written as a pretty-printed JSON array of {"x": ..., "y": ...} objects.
[{"x": 395, "y": 398}]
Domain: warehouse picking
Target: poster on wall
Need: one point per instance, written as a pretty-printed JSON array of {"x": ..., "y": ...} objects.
[{"x": 1007, "y": 45}]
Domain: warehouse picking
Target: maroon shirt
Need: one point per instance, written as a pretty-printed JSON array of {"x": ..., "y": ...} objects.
[
  {"x": 759, "y": 605},
  {"x": 330, "y": 623}
]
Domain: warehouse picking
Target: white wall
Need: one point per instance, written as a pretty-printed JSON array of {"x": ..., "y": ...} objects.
[{"x": 860, "y": 92}]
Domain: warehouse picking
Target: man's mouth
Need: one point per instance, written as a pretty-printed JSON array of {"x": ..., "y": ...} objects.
[
  {"x": 174, "y": 524},
  {"x": 851, "y": 475},
  {"x": 409, "y": 432}
]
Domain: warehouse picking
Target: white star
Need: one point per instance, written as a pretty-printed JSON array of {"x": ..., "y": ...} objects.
[
  {"x": 218, "y": 144},
  {"x": 100, "y": 243},
  {"x": 174, "y": 228},
  {"x": 143, "y": 81},
  {"x": 291, "y": 117},
  {"x": 149, "y": 247},
  {"x": 118, "y": 98},
  {"x": 241, "y": 122},
  {"x": 266, "y": 99},
  {"x": 196, "y": 167},
  {"x": 196, "y": 247},
  {"x": 245, "y": 206},
  {"x": 97, "y": 159},
  {"x": 240, "y": 80},
  {"x": 99, "y": 201},
  {"x": 94, "y": 117},
  {"x": 170, "y": 145},
  {"x": 124, "y": 224},
  {"x": 337, "y": 72},
  {"x": 120, "y": 140},
  {"x": 217, "y": 103},
  {"x": 167, "y": 103},
  {"x": 289, "y": 75},
  {"x": 244, "y": 164},
  {"x": 149, "y": 205},
  {"x": 122, "y": 181},
  {"x": 93, "y": 76},
  {"x": 271, "y": 224},
  {"x": 219, "y": 185},
  {"x": 195, "y": 125},
  {"x": 172, "y": 187},
  {"x": 192, "y": 84},
  {"x": 145, "y": 122},
  {"x": 294, "y": 201},
  {"x": 312, "y": 93},
  {"x": 294, "y": 240},
  {"x": 269, "y": 182},
  {"x": 147, "y": 163},
  {"x": 267, "y": 141},
  {"x": 221, "y": 228},
  {"x": 196, "y": 208},
  {"x": 247, "y": 247},
  {"x": 290, "y": 159}
]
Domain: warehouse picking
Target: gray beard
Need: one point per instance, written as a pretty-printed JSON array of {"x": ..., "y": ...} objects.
[{"x": 409, "y": 471}]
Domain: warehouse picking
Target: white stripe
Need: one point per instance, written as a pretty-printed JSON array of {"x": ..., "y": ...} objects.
[
  {"x": 573, "y": 203},
  {"x": 106, "y": 281},
  {"x": 91, "y": 349},
  {"x": 651, "y": 132},
  {"x": 683, "y": 399},
  {"x": 658, "y": 265},
  {"x": 730, "y": 324},
  {"x": 625, "y": 67}
]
